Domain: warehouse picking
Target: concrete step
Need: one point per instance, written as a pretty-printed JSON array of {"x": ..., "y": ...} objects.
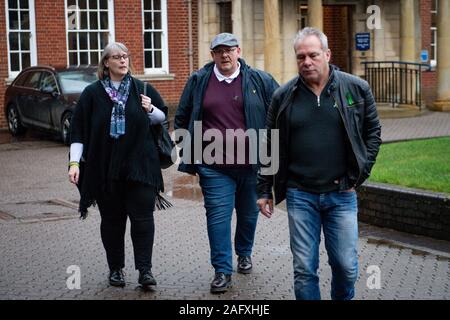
[{"x": 386, "y": 111}]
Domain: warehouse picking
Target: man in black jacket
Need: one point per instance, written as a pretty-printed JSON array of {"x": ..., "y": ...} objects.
[
  {"x": 329, "y": 138},
  {"x": 225, "y": 95}
]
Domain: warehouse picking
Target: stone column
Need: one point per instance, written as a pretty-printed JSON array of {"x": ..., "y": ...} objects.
[
  {"x": 247, "y": 30},
  {"x": 442, "y": 102},
  {"x": 407, "y": 32},
  {"x": 236, "y": 17},
  {"x": 315, "y": 14},
  {"x": 407, "y": 43},
  {"x": 272, "y": 41}
]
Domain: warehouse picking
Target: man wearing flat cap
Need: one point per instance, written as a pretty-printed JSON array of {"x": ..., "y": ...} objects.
[{"x": 226, "y": 94}]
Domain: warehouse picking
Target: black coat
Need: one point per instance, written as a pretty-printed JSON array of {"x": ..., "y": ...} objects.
[
  {"x": 132, "y": 157},
  {"x": 257, "y": 89},
  {"x": 360, "y": 120}
]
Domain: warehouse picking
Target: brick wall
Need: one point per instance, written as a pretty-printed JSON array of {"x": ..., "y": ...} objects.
[
  {"x": 429, "y": 80},
  {"x": 178, "y": 50},
  {"x": 128, "y": 19},
  {"x": 50, "y": 33},
  {"x": 3, "y": 65},
  {"x": 409, "y": 210},
  {"x": 336, "y": 27},
  {"x": 52, "y": 49},
  {"x": 128, "y": 16}
]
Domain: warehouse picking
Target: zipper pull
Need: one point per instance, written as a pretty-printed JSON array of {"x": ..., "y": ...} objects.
[{"x": 318, "y": 101}]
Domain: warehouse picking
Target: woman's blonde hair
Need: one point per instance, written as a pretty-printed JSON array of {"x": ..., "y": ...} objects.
[{"x": 102, "y": 70}]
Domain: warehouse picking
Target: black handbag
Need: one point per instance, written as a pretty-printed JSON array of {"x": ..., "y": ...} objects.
[
  {"x": 163, "y": 141},
  {"x": 164, "y": 144}
]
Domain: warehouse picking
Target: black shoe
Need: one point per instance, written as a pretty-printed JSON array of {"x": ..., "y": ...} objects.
[
  {"x": 116, "y": 278},
  {"x": 146, "y": 278},
  {"x": 244, "y": 265},
  {"x": 220, "y": 283}
]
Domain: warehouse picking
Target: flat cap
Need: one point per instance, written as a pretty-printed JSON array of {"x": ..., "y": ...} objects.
[{"x": 224, "y": 39}]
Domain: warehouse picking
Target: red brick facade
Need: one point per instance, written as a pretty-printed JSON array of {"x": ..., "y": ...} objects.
[
  {"x": 429, "y": 79},
  {"x": 52, "y": 44},
  {"x": 337, "y": 28},
  {"x": 3, "y": 65}
]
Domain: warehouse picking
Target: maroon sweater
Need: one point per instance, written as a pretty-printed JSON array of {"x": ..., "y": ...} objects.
[{"x": 223, "y": 108}]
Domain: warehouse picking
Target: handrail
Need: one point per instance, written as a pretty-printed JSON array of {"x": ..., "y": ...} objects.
[{"x": 395, "y": 82}]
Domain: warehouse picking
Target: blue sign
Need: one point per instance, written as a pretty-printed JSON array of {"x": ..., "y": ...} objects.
[
  {"x": 362, "y": 41},
  {"x": 424, "y": 56}
]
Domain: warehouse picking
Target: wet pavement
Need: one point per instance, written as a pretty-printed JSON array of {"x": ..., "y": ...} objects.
[{"x": 42, "y": 241}]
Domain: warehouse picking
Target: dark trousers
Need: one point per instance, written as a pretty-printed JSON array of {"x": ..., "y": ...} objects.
[{"x": 134, "y": 200}]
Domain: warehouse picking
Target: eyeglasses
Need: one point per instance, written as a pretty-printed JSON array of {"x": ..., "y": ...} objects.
[
  {"x": 118, "y": 56},
  {"x": 220, "y": 52}
]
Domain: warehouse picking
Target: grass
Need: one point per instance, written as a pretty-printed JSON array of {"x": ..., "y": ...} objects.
[{"x": 421, "y": 164}]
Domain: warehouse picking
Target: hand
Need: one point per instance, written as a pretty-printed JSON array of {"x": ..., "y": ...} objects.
[
  {"x": 147, "y": 103},
  {"x": 265, "y": 206},
  {"x": 74, "y": 174}
]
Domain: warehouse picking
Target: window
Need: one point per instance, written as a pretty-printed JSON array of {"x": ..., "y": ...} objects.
[
  {"x": 433, "y": 44},
  {"x": 20, "y": 79},
  {"x": 32, "y": 80},
  {"x": 21, "y": 33},
  {"x": 89, "y": 29},
  {"x": 225, "y": 22},
  {"x": 76, "y": 81},
  {"x": 48, "y": 82},
  {"x": 155, "y": 36},
  {"x": 302, "y": 14}
]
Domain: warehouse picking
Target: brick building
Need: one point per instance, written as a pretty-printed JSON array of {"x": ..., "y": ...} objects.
[
  {"x": 170, "y": 38},
  {"x": 159, "y": 33}
]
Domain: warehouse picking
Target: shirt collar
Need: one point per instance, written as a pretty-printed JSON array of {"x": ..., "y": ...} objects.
[{"x": 229, "y": 79}]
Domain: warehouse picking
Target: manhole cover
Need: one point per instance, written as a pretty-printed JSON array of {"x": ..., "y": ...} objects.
[{"x": 37, "y": 211}]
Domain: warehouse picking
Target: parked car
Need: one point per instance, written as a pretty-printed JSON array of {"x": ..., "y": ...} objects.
[{"x": 44, "y": 97}]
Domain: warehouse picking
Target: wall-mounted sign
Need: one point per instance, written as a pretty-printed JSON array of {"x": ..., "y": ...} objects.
[
  {"x": 362, "y": 41},
  {"x": 424, "y": 56}
]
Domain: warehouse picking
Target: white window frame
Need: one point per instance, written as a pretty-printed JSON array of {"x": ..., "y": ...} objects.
[
  {"x": 32, "y": 30},
  {"x": 164, "y": 70},
  {"x": 111, "y": 33},
  {"x": 433, "y": 44},
  {"x": 301, "y": 18}
]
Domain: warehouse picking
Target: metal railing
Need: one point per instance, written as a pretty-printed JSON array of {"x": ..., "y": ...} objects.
[{"x": 395, "y": 82}]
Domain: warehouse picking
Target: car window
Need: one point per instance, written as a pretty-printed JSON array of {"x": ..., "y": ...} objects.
[
  {"x": 48, "y": 82},
  {"x": 21, "y": 79},
  {"x": 32, "y": 80},
  {"x": 76, "y": 81}
]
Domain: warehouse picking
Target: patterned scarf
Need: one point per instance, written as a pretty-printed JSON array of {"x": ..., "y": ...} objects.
[{"x": 119, "y": 97}]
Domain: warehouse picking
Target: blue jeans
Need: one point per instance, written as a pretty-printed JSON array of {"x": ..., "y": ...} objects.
[
  {"x": 336, "y": 212},
  {"x": 223, "y": 190}
]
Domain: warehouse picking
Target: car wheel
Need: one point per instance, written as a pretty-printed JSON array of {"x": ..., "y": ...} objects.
[
  {"x": 65, "y": 128},
  {"x": 15, "y": 125}
]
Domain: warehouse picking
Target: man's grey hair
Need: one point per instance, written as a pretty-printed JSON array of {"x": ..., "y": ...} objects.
[{"x": 308, "y": 31}]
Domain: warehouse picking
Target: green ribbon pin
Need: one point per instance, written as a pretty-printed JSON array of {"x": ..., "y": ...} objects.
[{"x": 349, "y": 98}]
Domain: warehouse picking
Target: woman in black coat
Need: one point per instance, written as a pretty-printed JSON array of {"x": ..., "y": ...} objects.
[{"x": 113, "y": 140}]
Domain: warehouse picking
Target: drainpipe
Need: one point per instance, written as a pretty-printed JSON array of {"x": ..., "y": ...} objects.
[{"x": 190, "y": 49}]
